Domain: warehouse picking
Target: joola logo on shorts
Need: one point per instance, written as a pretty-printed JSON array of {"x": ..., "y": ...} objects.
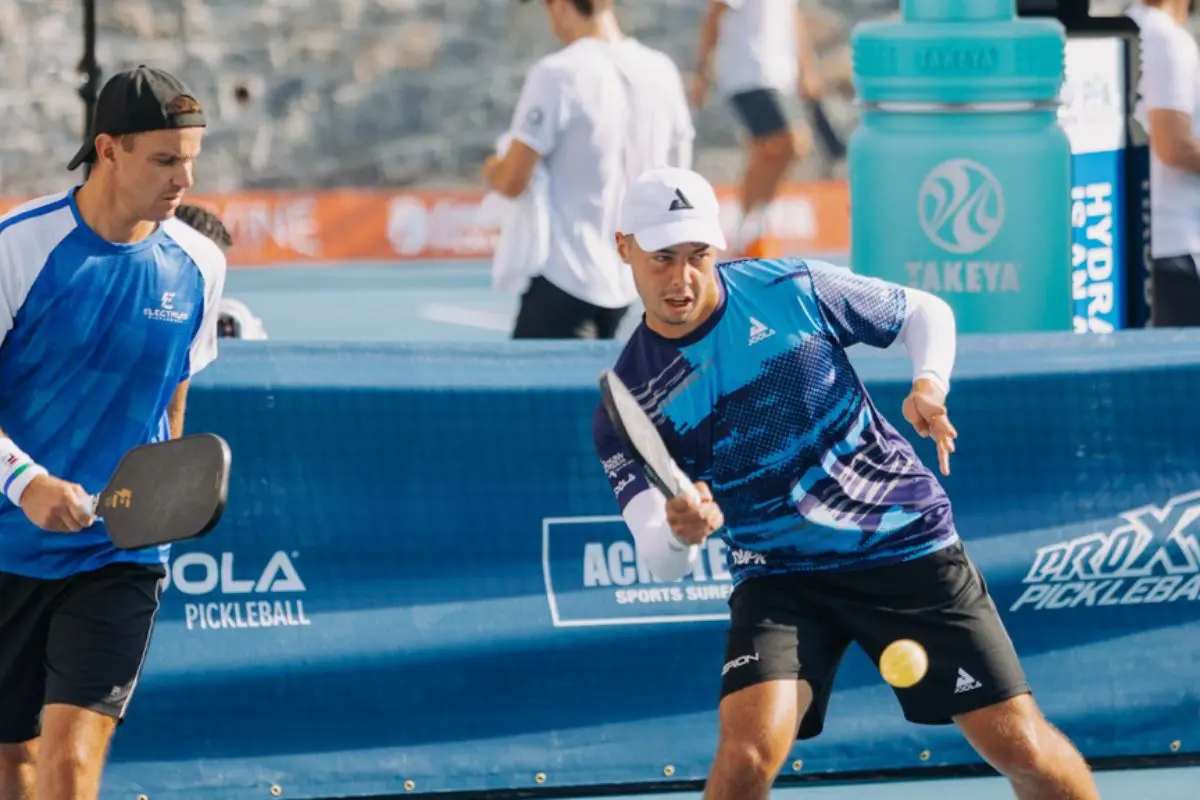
[{"x": 1153, "y": 558}]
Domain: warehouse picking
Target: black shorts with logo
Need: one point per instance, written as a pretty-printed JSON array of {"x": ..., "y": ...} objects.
[
  {"x": 799, "y": 626},
  {"x": 78, "y": 641}
]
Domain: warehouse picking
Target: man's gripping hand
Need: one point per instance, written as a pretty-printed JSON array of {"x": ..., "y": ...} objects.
[
  {"x": 691, "y": 520},
  {"x": 55, "y": 505}
]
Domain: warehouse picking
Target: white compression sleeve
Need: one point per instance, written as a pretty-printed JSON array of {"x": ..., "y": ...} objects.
[
  {"x": 929, "y": 334},
  {"x": 667, "y": 558}
]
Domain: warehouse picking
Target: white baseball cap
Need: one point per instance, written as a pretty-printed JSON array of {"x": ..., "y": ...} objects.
[{"x": 666, "y": 207}]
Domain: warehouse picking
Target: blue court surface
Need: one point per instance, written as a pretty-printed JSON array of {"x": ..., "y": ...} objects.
[{"x": 447, "y": 301}]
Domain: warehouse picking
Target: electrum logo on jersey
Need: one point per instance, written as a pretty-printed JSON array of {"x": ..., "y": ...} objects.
[
  {"x": 594, "y": 577},
  {"x": 960, "y": 205},
  {"x": 168, "y": 310},
  {"x": 268, "y": 595},
  {"x": 1153, "y": 558}
]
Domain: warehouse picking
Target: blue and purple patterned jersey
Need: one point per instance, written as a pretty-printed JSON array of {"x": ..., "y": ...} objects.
[{"x": 762, "y": 403}]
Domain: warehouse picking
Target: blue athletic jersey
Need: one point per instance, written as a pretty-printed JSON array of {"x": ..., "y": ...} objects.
[
  {"x": 95, "y": 337},
  {"x": 762, "y": 403}
]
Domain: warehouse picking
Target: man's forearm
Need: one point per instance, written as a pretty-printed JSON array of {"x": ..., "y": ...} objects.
[
  {"x": 667, "y": 557},
  {"x": 804, "y": 45},
  {"x": 175, "y": 417},
  {"x": 930, "y": 336},
  {"x": 176, "y": 408},
  {"x": 1185, "y": 156},
  {"x": 709, "y": 32}
]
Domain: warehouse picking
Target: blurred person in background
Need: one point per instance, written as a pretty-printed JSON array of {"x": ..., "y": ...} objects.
[
  {"x": 758, "y": 52},
  {"x": 1169, "y": 108},
  {"x": 206, "y": 222},
  {"x": 234, "y": 318},
  {"x": 107, "y": 311},
  {"x": 594, "y": 114}
]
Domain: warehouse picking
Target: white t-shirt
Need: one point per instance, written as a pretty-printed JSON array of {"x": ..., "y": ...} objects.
[
  {"x": 1170, "y": 80},
  {"x": 756, "y": 47},
  {"x": 599, "y": 113}
]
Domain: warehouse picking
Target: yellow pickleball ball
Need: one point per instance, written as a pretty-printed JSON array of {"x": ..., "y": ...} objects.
[{"x": 903, "y": 663}]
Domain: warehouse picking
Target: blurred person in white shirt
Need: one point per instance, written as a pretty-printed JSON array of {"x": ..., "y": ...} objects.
[
  {"x": 1169, "y": 108},
  {"x": 758, "y": 52},
  {"x": 596, "y": 113}
]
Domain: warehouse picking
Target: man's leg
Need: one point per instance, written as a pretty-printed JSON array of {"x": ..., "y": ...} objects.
[
  {"x": 18, "y": 765},
  {"x": 24, "y": 623},
  {"x": 75, "y": 746},
  {"x": 1038, "y": 760},
  {"x": 780, "y": 659},
  {"x": 975, "y": 678},
  {"x": 98, "y": 639},
  {"x": 758, "y": 729},
  {"x": 774, "y": 146}
]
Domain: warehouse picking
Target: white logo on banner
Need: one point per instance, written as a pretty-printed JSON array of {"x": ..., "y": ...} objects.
[
  {"x": 1153, "y": 558},
  {"x": 961, "y": 206},
  {"x": 198, "y": 574}
]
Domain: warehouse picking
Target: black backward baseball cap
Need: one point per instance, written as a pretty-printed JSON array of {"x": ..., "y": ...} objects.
[{"x": 139, "y": 100}]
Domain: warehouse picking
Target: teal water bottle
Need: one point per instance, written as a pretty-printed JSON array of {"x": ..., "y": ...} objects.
[{"x": 960, "y": 175}]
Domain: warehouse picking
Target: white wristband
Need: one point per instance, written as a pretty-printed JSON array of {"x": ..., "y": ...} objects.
[{"x": 17, "y": 470}]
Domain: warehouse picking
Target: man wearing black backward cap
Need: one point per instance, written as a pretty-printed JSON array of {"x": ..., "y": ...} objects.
[{"x": 108, "y": 308}]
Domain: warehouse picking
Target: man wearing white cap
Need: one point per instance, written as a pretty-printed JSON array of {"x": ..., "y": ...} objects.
[{"x": 835, "y": 530}]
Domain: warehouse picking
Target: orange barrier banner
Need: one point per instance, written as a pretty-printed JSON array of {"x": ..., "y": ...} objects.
[{"x": 345, "y": 226}]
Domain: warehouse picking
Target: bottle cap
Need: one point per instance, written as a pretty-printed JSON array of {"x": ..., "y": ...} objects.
[{"x": 959, "y": 52}]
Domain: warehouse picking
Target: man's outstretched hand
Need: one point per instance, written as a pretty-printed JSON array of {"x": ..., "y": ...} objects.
[{"x": 925, "y": 410}]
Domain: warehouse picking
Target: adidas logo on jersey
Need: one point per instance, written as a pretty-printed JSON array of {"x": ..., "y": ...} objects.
[
  {"x": 965, "y": 682},
  {"x": 758, "y": 331}
]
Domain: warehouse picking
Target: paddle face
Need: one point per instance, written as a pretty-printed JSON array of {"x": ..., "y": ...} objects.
[
  {"x": 640, "y": 437},
  {"x": 166, "y": 492}
]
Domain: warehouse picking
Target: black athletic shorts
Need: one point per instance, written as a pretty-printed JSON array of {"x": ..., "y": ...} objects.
[
  {"x": 1174, "y": 292},
  {"x": 78, "y": 641},
  {"x": 761, "y": 111},
  {"x": 548, "y": 312},
  {"x": 800, "y": 625}
]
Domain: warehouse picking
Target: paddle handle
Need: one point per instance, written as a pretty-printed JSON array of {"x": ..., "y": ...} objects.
[
  {"x": 90, "y": 504},
  {"x": 686, "y": 487}
]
